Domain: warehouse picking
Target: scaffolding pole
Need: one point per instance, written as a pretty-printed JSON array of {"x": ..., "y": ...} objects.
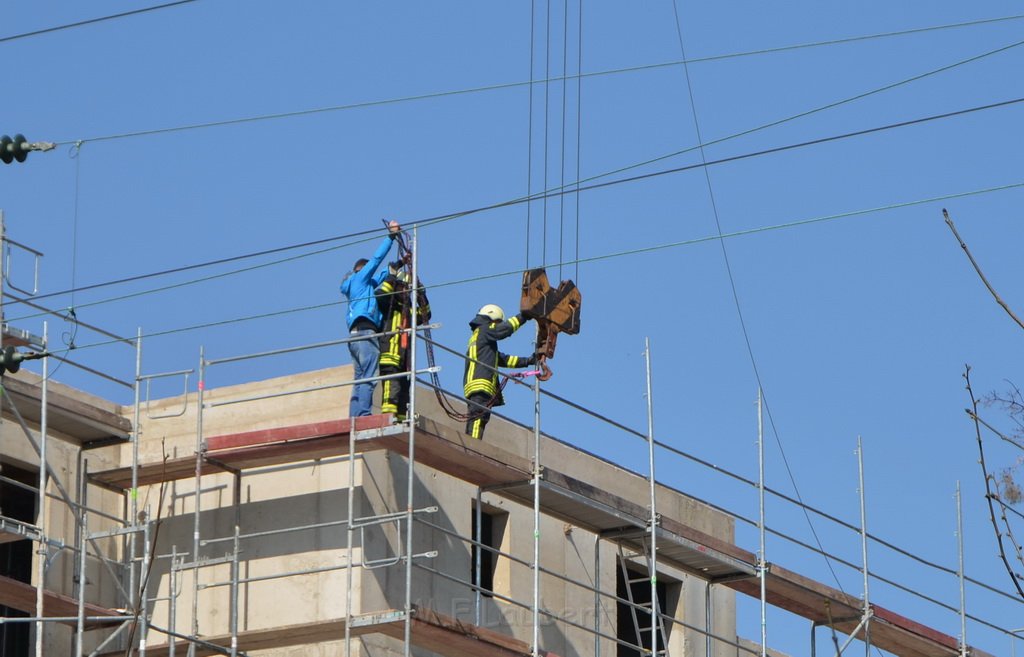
[
  {"x": 410, "y": 415},
  {"x": 133, "y": 493},
  {"x": 597, "y": 595},
  {"x": 234, "y": 589},
  {"x": 349, "y": 531},
  {"x": 172, "y": 604},
  {"x": 960, "y": 572},
  {"x": 42, "y": 552},
  {"x": 142, "y": 611},
  {"x": 864, "y": 548},
  {"x": 80, "y": 625},
  {"x": 653, "y": 519},
  {"x": 535, "y": 620},
  {"x": 478, "y": 514},
  {"x": 200, "y": 388},
  {"x": 762, "y": 562}
]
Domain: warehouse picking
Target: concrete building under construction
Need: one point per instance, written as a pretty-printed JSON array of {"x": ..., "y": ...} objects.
[{"x": 259, "y": 519}]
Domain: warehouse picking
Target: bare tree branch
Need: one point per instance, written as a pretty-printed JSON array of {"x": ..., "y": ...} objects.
[
  {"x": 991, "y": 428},
  {"x": 989, "y": 495},
  {"x": 995, "y": 295}
]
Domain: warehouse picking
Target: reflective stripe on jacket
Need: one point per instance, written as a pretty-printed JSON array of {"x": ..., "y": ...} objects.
[
  {"x": 483, "y": 357},
  {"x": 395, "y": 304}
]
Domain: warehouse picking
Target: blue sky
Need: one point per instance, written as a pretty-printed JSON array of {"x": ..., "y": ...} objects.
[{"x": 858, "y": 325}]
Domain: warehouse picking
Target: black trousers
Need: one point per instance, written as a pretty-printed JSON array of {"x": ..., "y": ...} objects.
[
  {"x": 479, "y": 411},
  {"x": 394, "y": 392}
]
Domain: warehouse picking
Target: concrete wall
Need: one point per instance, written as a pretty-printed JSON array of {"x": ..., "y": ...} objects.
[
  {"x": 276, "y": 498},
  {"x": 317, "y": 492},
  {"x": 62, "y": 453}
]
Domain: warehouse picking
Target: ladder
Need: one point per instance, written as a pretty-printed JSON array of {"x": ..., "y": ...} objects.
[{"x": 651, "y": 610}]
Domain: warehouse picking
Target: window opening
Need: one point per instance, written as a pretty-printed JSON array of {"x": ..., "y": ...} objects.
[
  {"x": 16, "y": 503},
  {"x": 492, "y": 534},
  {"x": 633, "y": 623}
]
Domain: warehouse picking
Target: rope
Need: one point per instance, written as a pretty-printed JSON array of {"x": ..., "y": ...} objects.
[{"x": 529, "y": 136}]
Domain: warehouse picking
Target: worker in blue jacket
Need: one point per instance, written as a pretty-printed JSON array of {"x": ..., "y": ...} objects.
[{"x": 364, "y": 320}]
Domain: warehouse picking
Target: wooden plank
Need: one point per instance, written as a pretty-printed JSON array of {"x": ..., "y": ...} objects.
[
  {"x": 818, "y": 602},
  {"x": 22, "y": 596},
  {"x": 473, "y": 639},
  {"x": 252, "y": 449},
  {"x": 153, "y": 473},
  {"x": 10, "y": 537},
  {"x": 641, "y": 513},
  {"x": 917, "y": 628},
  {"x": 326, "y": 428},
  {"x": 430, "y": 631},
  {"x": 259, "y": 456},
  {"x": 263, "y": 639}
]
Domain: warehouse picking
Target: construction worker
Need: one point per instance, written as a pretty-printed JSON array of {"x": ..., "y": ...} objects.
[
  {"x": 480, "y": 381},
  {"x": 363, "y": 319},
  {"x": 395, "y": 302}
]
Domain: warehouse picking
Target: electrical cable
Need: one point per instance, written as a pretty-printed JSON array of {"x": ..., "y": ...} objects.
[
  {"x": 618, "y": 254},
  {"x": 806, "y": 113},
  {"x": 211, "y": 263},
  {"x": 93, "y": 21},
  {"x": 511, "y": 85},
  {"x": 204, "y": 279},
  {"x": 547, "y": 121},
  {"x": 561, "y": 159},
  {"x": 735, "y": 292},
  {"x": 559, "y": 192},
  {"x": 430, "y": 221},
  {"x": 448, "y": 217},
  {"x": 76, "y": 154},
  {"x": 529, "y": 136},
  {"x": 579, "y": 133}
]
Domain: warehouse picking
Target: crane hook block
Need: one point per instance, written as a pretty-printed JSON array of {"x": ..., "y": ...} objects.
[{"x": 557, "y": 310}]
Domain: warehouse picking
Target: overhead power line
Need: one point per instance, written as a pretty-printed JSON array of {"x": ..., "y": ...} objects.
[
  {"x": 209, "y": 263},
  {"x": 547, "y": 80},
  {"x": 92, "y": 21},
  {"x": 606, "y": 256},
  {"x": 814, "y": 110},
  {"x": 555, "y": 192},
  {"x": 739, "y": 308}
]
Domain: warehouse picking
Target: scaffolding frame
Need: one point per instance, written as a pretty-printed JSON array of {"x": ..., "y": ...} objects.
[{"x": 649, "y": 526}]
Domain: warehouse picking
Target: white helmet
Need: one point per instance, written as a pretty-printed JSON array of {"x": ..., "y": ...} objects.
[{"x": 493, "y": 312}]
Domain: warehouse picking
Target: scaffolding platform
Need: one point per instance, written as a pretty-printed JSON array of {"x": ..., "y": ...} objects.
[
  {"x": 430, "y": 631},
  {"x": 12, "y": 530},
  {"x": 317, "y": 440},
  {"x": 22, "y": 596},
  {"x": 570, "y": 499},
  {"x": 260, "y": 448}
]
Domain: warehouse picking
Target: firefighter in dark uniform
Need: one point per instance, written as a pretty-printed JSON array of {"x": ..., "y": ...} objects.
[
  {"x": 480, "y": 382},
  {"x": 395, "y": 302}
]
